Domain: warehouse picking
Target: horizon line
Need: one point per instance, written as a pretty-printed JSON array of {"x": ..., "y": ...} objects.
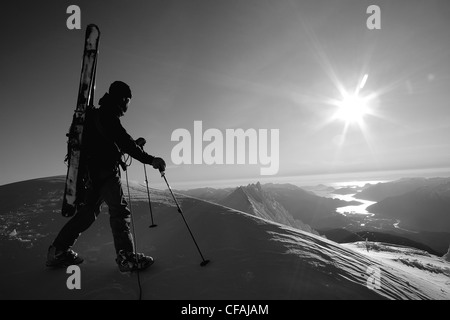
[{"x": 302, "y": 179}]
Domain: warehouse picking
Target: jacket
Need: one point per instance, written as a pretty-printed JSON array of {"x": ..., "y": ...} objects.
[{"x": 105, "y": 140}]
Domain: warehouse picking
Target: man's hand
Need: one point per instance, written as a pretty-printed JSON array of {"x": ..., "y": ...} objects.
[
  {"x": 160, "y": 164},
  {"x": 140, "y": 142}
]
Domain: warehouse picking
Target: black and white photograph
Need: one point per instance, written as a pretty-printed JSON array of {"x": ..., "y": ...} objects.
[{"x": 225, "y": 156}]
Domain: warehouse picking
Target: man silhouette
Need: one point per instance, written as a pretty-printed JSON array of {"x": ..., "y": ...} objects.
[{"x": 105, "y": 141}]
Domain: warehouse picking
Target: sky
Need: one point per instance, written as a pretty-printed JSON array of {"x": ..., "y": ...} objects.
[{"x": 253, "y": 65}]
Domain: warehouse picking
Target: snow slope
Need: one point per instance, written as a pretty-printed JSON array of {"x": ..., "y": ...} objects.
[
  {"x": 430, "y": 272},
  {"x": 251, "y": 258}
]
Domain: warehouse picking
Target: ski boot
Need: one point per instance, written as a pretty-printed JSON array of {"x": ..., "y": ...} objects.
[
  {"x": 59, "y": 259},
  {"x": 129, "y": 261}
]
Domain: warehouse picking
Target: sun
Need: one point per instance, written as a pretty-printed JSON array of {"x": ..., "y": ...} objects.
[{"x": 352, "y": 108}]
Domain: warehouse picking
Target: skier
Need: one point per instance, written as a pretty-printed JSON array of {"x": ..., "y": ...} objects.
[{"x": 105, "y": 140}]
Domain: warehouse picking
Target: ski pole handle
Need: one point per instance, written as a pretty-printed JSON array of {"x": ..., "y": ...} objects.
[{"x": 141, "y": 142}]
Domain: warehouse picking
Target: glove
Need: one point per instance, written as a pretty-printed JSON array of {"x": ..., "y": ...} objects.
[
  {"x": 160, "y": 164},
  {"x": 140, "y": 142}
]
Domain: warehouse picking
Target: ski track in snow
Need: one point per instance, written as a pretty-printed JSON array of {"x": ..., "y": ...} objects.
[
  {"x": 418, "y": 268},
  {"x": 344, "y": 263}
]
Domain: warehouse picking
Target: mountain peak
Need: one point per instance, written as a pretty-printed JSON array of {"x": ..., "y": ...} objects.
[
  {"x": 447, "y": 255},
  {"x": 253, "y": 199}
]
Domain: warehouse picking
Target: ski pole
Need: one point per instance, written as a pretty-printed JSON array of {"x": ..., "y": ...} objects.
[
  {"x": 149, "y": 202},
  {"x": 204, "y": 262},
  {"x": 134, "y": 231},
  {"x": 141, "y": 142}
]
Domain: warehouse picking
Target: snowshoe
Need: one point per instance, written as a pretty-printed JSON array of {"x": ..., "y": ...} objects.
[
  {"x": 59, "y": 259},
  {"x": 129, "y": 261}
]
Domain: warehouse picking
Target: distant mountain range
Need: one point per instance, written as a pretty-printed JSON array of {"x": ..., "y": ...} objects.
[
  {"x": 208, "y": 194},
  {"x": 421, "y": 205},
  {"x": 255, "y": 200},
  {"x": 282, "y": 203},
  {"x": 381, "y": 191},
  {"x": 319, "y": 212},
  {"x": 426, "y": 208},
  {"x": 347, "y": 190}
]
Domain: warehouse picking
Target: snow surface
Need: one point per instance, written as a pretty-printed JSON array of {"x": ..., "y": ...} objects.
[
  {"x": 429, "y": 272},
  {"x": 251, "y": 258}
]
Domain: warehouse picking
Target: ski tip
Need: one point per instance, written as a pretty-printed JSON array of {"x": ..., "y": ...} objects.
[
  {"x": 92, "y": 26},
  {"x": 204, "y": 263},
  {"x": 153, "y": 226},
  {"x": 93, "y": 29}
]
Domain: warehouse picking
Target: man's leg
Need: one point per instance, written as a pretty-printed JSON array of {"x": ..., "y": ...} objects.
[
  {"x": 60, "y": 253},
  {"x": 120, "y": 215},
  {"x": 120, "y": 220},
  {"x": 82, "y": 220}
]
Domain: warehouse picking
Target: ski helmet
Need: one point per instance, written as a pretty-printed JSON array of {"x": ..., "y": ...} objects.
[{"x": 120, "y": 89}]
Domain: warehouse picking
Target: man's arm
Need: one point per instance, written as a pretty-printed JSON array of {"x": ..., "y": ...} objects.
[{"x": 124, "y": 141}]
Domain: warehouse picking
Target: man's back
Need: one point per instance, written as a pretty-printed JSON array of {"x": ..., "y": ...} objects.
[{"x": 103, "y": 154}]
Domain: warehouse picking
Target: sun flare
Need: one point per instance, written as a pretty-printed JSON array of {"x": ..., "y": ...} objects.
[{"x": 352, "y": 108}]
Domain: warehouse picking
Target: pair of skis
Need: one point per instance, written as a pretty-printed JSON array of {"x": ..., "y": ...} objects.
[{"x": 77, "y": 176}]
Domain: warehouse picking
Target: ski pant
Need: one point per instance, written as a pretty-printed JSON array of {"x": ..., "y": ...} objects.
[{"x": 108, "y": 190}]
